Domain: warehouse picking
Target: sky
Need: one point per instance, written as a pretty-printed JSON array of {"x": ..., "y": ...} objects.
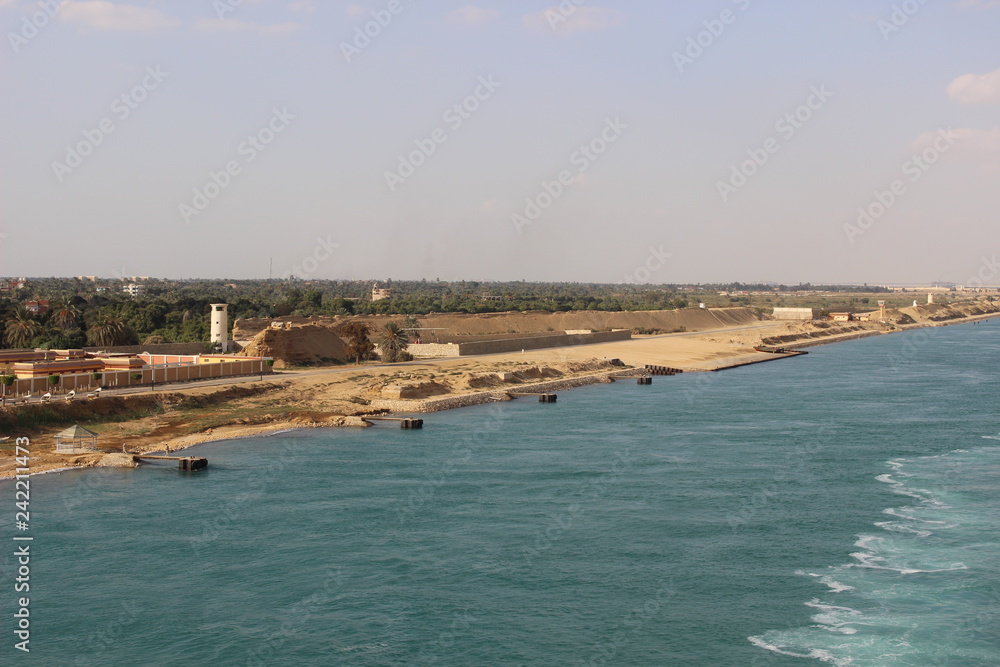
[{"x": 631, "y": 141}]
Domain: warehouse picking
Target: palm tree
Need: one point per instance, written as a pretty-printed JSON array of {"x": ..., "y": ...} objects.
[
  {"x": 108, "y": 331},
  {"x": 358, "y": 345},
  {"x": 64, "y": 315},
  {"x": 393, "y": 342},
  {"x": 21, "y": 328}
]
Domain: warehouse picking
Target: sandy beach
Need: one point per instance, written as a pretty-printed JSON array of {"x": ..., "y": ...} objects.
[{"x": 339, "y": 396}]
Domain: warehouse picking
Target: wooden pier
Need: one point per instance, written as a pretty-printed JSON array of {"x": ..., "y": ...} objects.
[
  {"x": 404, "y": 422},
  {"x": 183, "y": 462}
]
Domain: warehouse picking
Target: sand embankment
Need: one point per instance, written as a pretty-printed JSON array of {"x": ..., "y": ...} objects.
[{"x": 485, "y": 324}]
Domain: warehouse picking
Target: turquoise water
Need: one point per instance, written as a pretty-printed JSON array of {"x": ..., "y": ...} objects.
[{"x": 838, "y": 508}]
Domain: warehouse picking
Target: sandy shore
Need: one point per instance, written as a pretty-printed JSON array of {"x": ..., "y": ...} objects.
[{"x": 341, "y": 396}]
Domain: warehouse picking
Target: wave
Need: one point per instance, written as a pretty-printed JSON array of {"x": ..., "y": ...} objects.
[
  {"x": 910, "y": 556},
  {"x": 816, "y": 653}
]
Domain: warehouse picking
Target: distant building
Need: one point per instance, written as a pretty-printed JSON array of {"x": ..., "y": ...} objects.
[
  {"x": 851, "y": 317},
  {"x": 380, "y": 293},
  {"x": 37, "y": 307},
  {"x": 134, "y": 289},
  {"x": 794, "y": 314}
]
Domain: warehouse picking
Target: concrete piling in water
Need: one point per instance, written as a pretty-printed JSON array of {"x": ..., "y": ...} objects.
[
  {"x": 547, "y": 398},
  {"x": 411, "y": 423},
  {"x": 192, "y": 464},
  {"x": 645, "y": 379}
]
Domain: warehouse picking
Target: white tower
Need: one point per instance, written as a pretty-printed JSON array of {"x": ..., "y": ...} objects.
[
  {"x": 930, "y": 299},
  {"x": 220, "y": 326}
]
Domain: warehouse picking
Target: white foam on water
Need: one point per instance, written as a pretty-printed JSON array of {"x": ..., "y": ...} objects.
[
  {"x": 892, "y": 511},
  {"x": 835, "y": 586},
  {"x": 896, "y": 527},
  {"x": 816, "y": 653},
  {"x": 864, "y": 541},
  {"x": 887, "y": 568}
]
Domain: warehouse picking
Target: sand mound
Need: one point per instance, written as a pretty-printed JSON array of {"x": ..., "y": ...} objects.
[
  {"x": 415, "y": 390},
  {"x": 297, "y": 344},
  {"x": 534, "y": 322},
  {"x": 936, "y": 312}
]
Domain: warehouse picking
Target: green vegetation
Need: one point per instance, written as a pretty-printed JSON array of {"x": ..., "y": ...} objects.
[
  {"x": 82, "y": 312},
  {"x": 392, "y": 342}
]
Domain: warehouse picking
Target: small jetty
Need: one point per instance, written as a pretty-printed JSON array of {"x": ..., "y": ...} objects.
[
  {"x": 542, "y": 398},
  {"x": 404, "y": 422},
  {"x": 183, "y": 462},
  {"x": 661, "y": 370}
]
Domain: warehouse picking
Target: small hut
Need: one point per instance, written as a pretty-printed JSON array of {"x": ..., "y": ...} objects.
[{"x": 76, "y": 439}]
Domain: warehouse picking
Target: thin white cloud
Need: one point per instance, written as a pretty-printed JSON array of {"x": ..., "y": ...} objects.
[
  {"x": 104, "y": 15},
  {"x": 572, "y": 19},
  {"x": 235, "y": 25},
  {"x": 305, "y": 6},
  {"x": 976, "y": 88},
  {"x": 473, "y": 15}
]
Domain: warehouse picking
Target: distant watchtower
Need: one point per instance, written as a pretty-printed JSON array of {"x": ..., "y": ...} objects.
[
  {"x": 381, "y": 293},
  {"x": 220, "y": 326}
]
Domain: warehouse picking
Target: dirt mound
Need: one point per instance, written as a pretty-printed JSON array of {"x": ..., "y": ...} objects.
[
  {"x": 415, "y": 390},
  {"x": 937, "y": 312},
  {"x": 454, "y": 325},
  {"x": 98, "y": 410},
  {"x": 297, "y": 345}
]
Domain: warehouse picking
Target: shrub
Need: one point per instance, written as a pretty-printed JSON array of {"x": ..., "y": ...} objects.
[
  {"x": 135, "y": 376},
  {"x": 53, "y": 380}
]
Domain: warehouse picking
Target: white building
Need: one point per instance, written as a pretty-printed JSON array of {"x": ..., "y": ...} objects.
[
  {"x": 794, "y": 314},
  {"x": 220, "y": 326},
  {"x": 134, "y": 289}
]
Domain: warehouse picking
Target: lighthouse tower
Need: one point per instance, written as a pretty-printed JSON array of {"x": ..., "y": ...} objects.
[{"x": 220, "y": 326}]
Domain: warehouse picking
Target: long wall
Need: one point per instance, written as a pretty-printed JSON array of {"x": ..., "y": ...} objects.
[
  {"x": 426, "y": 350},
  {"x": 82, "y": 382}
]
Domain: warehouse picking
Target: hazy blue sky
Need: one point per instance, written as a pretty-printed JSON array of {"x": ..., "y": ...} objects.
[{"x": 321, "y": 188}]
